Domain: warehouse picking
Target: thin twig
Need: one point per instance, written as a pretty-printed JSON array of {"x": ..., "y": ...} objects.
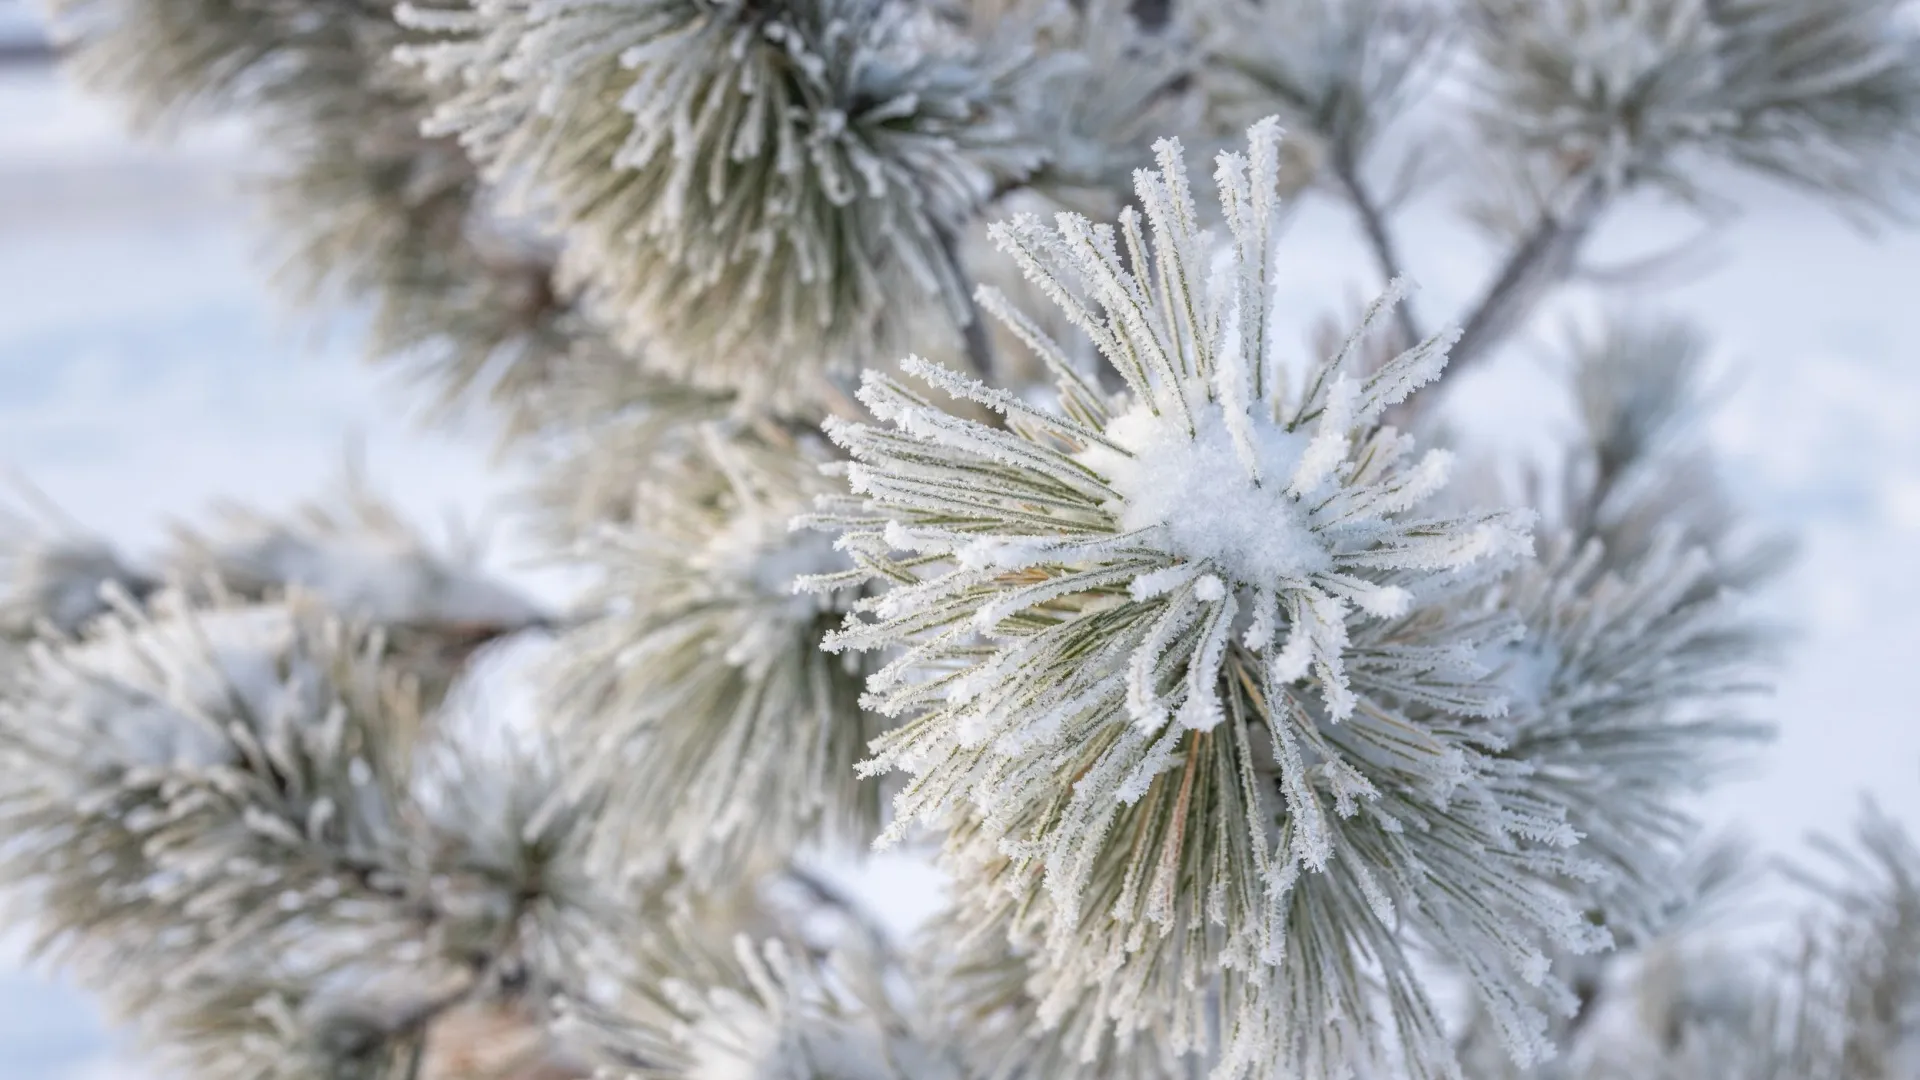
[
  {"x": 416, "y": 1056},
  {"x": 1545, "y": 256},
  {"x": 1386, "y": 250},
  {"x": 1588, "y": 990}
]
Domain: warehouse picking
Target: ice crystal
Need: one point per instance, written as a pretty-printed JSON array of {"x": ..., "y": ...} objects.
[{"x": 1187, "y": 674}]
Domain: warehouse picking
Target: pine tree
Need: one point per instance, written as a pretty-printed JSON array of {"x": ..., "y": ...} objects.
[{"x": 945, "y": 478}]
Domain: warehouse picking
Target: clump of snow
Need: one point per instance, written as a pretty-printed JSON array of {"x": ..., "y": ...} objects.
[{"x": 1198, "y": 492}]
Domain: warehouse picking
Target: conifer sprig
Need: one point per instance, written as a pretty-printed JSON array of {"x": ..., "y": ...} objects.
[
  {"x": 1160, "y": 790},
  {"x": 760, "y": 192},
  {"x": 701, "y": 693}
]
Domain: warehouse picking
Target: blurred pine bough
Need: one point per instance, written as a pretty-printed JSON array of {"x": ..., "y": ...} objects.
[
  {"x": 22, "y": 44},
  {"x": 1249, "y": 725}
]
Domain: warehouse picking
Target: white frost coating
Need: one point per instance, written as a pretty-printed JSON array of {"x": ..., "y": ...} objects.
[
  {"x": 759, "y": 555},
  {"x": 730, "y": 731},
  {"x": 57, "y": 580},
  {"x": 1199, "y": 492},
  {"x": 782, "y": 179},
  {"x": 736, "y": 1040}
]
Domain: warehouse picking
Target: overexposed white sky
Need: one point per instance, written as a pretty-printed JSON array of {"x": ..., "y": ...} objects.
[{"x": 147, "y": 370}]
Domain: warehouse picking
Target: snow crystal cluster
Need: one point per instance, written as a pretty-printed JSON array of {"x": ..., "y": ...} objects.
[{"x": 1202, "y": 494}]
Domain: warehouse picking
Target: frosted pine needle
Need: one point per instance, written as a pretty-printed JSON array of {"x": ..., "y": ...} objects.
[
  {"x": 1182, "y": 661},
  {"x": 236, "y": 822},
  {"x": 1821, "y": 95},
  {"x": 359, "y": 555},
  {"x": 702, "y": 688},
  {"x": 692, "y": 1009},
  {"x": 1630, "y": 693},
  {"x": 197, "y": 781},
  {"x": 761, "y": 192},
  {"x": 991, "y": 991}
]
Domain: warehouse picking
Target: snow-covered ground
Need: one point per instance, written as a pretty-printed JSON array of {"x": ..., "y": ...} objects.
[{"x": 145, "y": 370}]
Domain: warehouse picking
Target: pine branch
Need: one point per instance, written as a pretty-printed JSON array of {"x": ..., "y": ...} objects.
[
  {"x": 1235, "y": 731},
  {"x": 365, "y": 211},
  {"x": 1542, "y": 258},
  {"x": 801, "y": 229}
]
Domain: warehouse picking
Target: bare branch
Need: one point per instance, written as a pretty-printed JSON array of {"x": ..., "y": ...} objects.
[
  {"x": 1386, "y": 250},
  {"x": 1545, "y": 257}
]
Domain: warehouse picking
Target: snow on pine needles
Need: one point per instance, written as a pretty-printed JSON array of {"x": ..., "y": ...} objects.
[
  {"x": 1188, "y": 675},
  {"x": 703, "y": 686},
  {"x": 756, "y": 193}
]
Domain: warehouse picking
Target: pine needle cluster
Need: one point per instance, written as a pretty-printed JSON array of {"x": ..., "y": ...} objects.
[{"x": 751, "y": 189}]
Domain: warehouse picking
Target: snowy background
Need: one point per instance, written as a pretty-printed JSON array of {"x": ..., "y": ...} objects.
[{"x": 146, "y": 370}]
